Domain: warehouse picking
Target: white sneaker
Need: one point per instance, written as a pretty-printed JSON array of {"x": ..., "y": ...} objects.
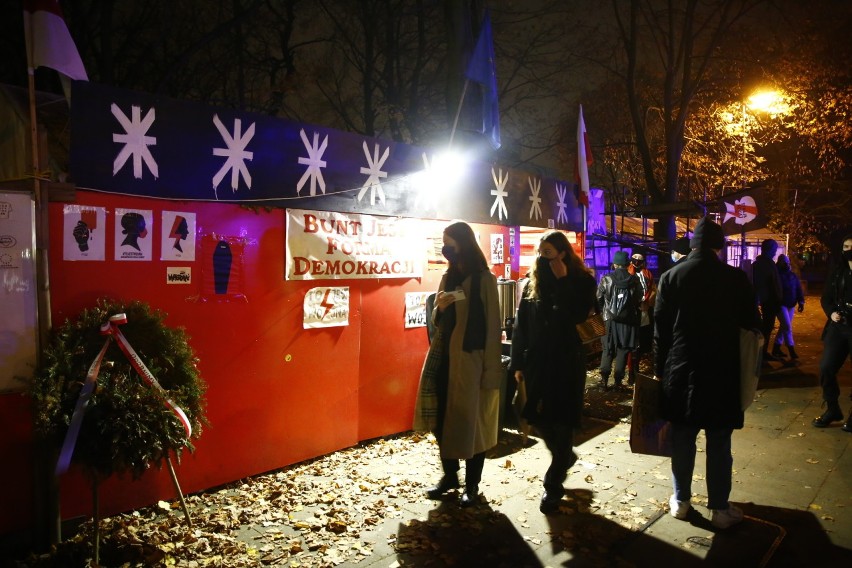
[
  {"x": 724, "y": 518},
  {"x": 678, "y": 509}
]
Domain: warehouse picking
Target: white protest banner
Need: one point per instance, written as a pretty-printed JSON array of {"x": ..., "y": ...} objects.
[
  {"x": 326, "y": 307},
  {"x": 415, "y": 309},
  {"x": 324, "y": 245}
]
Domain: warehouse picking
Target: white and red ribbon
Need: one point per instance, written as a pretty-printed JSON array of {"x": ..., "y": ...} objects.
[{"x": 110, "y": 329}]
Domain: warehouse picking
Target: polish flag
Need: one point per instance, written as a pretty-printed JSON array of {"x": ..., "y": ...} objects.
[
  {"x": 584, "y": 160},
  {"x": 49, "y": 42}
]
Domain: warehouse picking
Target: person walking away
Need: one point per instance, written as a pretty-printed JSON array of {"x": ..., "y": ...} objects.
[
  {"x": 680, "y": 250},
  {"x": 702, "y": 304},
  {"x": 619, "y": 295},
  {"x": 548, "y": 357},
  {"x": 836, "y": 302},
  {"x": 767, "y": 286},
  {"x": 459, "y": 393},
  {"x": 791, "y": 296},
  {"x": 646, "y": 328}
]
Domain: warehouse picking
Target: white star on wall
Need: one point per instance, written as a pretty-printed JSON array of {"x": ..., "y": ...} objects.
[
  {"x": 375, "y": 172},
  {"x": 235, "y": 152},
  {"x": 500, "y": 192},
  {"x": 535, "y": 189},
  {"x": 134, "y": 140},
  {"x": 562, "y": 206},
  {"x": 314, "y": 162}
]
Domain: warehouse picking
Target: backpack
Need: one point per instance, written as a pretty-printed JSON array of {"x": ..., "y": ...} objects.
[{"x": 624, "y": 307}]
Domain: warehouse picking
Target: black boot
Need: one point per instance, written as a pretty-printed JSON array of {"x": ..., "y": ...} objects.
[
  {"x": 831, "y": 414},
  {"x": 776, "y": 351},
  {"x": 792, "y": 350},
  {"x": 448, "y": 482},
  {"x": 470, "y": 496}
]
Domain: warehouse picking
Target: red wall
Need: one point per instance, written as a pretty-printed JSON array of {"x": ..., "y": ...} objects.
[{"x": 267, "y": 410}]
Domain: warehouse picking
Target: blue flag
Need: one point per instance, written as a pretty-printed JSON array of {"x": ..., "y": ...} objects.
[{"x": 481, "y": 70}]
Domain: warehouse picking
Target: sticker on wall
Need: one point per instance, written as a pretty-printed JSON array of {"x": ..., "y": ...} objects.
[
  {"x": 496, "y": 248},
  {"x": 177, "y": 240},
  {"x": 83, "y": 232},
  {"x": 133, "y": 234},
  {"x": 222, "y": 267},
  {"x": 415, "y": 309},
  {"x": 326, "y": 307},
  {"x": 178, "y": 275}
]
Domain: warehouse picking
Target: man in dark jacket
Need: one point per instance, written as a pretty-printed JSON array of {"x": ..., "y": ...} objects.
[
  {"x": 702, "y": 303},
  {"x": 767, "y": 287},
  {"x": 836, "y": 302},
  {"x": 621, "y": 336}
]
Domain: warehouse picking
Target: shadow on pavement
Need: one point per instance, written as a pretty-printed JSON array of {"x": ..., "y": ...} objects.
[{"x": 451, "y": 536}]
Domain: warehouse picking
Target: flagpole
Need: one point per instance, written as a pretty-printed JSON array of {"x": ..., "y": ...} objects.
[
  {"x": 458, "y": 112},
  {"x": 47, "y": 501}
]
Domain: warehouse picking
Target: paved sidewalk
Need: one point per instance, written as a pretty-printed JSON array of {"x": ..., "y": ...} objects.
[{"x": 793, "y": 481}]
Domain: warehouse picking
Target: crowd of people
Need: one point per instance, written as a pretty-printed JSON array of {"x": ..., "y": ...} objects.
[{"x": 699, "y": 301}]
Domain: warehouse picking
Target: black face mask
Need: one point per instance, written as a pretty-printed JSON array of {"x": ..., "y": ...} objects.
[
  {"x": 449, "y": 253},
  {"x": 847, "y": 255},
  {"x": 639, "y": 264},
  {"x": 543, "y": 266}
]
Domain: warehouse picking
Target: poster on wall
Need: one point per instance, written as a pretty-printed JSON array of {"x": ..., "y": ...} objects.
[
  {"x": 83, "y": 233},
  {"x": 326, "y": 307},
  {"x": 222, "y": 268},
  {"x": 133, "y": 234},
  {"x": 323, "y": 245},
  {"x": 497, "y": 248},
  {"x": 415, "y": 309},
  {"x": 18, "y": 302},
  {"x": 177, "y": 240}
]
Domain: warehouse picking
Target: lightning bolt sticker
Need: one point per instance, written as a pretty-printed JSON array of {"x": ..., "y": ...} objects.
[{"x": 326, "y": 307}]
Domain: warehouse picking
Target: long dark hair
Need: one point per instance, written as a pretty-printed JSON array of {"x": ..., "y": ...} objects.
[
  {"x": 559, "y": 241},
  {"x": 470, "y": 258}
]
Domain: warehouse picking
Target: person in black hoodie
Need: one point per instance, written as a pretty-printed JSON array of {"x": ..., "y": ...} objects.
[
  {"x": 836, "y": 302},
  {"x": 767, "y": 286},
  {"x": 702, "y": 303},
  {"x": 621, "y": 336},
  {"x": 548, "y": 355}
]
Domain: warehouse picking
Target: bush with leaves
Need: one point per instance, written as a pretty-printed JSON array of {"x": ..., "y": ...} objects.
[{"x": 126, "y": 426}]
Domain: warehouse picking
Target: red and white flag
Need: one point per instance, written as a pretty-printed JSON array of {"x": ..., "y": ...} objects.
[
  {"x": 49, "y": 42},
  {"x": 584, "y": 160}
]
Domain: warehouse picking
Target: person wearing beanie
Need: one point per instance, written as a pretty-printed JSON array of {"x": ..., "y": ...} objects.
[
  {"x": 701, "y": 306},
  {"x": 680, "y": 250},
  {"x": 767, "y": 286},
  {"x": 836, "y": 302},
  {"x": 619, "y": 294},
  {"x": 791, "y": 296}
]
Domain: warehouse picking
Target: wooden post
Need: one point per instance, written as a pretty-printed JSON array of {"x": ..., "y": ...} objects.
[{"x": 179, "y": 492}]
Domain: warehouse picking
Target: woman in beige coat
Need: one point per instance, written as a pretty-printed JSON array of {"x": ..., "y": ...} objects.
[{"x": 459, "y": 392}]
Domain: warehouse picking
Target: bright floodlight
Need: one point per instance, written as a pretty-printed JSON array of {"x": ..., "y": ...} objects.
[{"x": 440, "y": 177}]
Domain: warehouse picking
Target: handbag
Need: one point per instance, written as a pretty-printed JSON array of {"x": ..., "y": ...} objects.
[
  {"x": 591, "y": 329},
  {"x": 650, "y": 434},
  {"x": 751, "y": 355}
]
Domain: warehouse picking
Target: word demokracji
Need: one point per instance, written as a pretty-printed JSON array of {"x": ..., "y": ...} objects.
[{"x": 304, "y": 266}]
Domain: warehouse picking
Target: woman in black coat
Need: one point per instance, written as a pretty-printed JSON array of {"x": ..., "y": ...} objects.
[{"x": 548, "y": 355}]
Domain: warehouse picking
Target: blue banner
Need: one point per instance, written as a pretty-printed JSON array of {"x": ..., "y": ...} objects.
[{"x": 142, "y": 144}]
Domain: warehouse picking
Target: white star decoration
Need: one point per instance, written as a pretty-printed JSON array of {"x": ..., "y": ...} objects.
[
  {"x": 375, "y": 172},
  {"x": 500, "y": 192},
  {"x": 535, "y": 189},
  {"x": 314, "y": 162},
  {"x": 134, "y": 140},
  {"x": 235, "y": 152},
  {"x": 561, "y": 205}
]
